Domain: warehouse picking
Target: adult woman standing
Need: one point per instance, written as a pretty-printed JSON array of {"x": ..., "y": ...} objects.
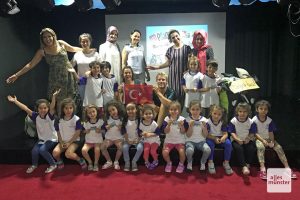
[
  {"x": 202, "y": 50},
  {"x": 133, "y": 56},
  {"x": 83, "y": 58},
  {"x": 55, "y": 53},
  {"x": 176, "y": 60},
  {"x": 110, "y": 52}
]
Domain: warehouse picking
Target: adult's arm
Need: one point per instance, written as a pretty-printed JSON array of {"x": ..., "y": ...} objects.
[
  {"x": 35, "y": 60},
  {"x": 69, "y": 47},
  {"x": 124, "y": 57}
]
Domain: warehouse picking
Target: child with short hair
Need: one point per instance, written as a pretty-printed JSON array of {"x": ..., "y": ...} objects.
[
  {"x": 93, "y": 136},
  {"x": 210, "y": 81},
  {"x": 242, "y": 131},
  {"x": 47, "y": 136},
  {"x": 196, "y": 135},
  {"x": 113, "y": 135},
  {"x": 150, "y": 133},
  {"x": 110, "y": 83},
  {"x": 218, "y": 136},
  {"x": 132, "y": 136},
  {"x": 265, "y": 137},
  {"x": 174, "y": 126},
  {"x": 68, "y": 131}
]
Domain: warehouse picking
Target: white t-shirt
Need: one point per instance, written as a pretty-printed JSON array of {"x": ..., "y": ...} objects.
[
  {"x": 174, "y": 136},
  {"x": 242, "y": 129},
  {"x": 108, "y": 86},
  {"x": 197, "y": 134},
  {"x": 191, "y": 82},
  {"x": 264, "y": 127},
  {"x": 152, "y": 128},
  {"x": 93, "y": 93},
  {"x": 210, "y": 97},
  {"x": 93, "y": 137},
  {"x": 132, "y": 129},
  {"x": 216, "y": 129},
  {"x": 83, "y": 60},
  {"x": 45, "y": 127},
  {"x": 114, "y": 133},
  {"x": 67, "y": 128},
  {"x": 135, "y": 58}
]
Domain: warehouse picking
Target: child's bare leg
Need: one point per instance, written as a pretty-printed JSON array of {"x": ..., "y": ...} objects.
[
  {"x": 181, "y": 152},
  {"x": 119, "y": 146},
  {"x": 57, "y": 151},
  {"x": 97, "y": 153},
  {"x": 166, "y": 154},
  {"x": 104, "y": 146},
  {"x": 85, "y": 153},
  {"x": 70, "y": 152}
]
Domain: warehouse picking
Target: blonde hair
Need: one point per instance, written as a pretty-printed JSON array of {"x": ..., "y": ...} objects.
[
  {"x": 161, "y": 74},
  {"x": 245, "y": 106},
  {"x": 175, "y": 104},
  {"x": 47, "y": 30},
  {"x": 221, "y": 109},
  {"x": 192, "y": 59}
]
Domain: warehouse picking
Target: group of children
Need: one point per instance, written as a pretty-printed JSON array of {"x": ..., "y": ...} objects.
[{"x": 108, "y": 122}]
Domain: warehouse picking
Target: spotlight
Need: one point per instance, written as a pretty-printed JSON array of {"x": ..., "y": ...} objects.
[
  {"x": 12, "y": 7},
  {"x": 45, "y": 5},
  {"x": 221, "y": 3},
  {"x": 111, "y": 4},
  {"x": 247, "y": 2},
  {"x": 84, "y": 5}
]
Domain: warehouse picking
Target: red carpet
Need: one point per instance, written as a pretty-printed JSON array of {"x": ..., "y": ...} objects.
[{"x": 72, "y": 183}]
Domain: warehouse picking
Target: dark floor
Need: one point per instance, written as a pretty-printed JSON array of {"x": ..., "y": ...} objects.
[{"x": 15, "y": 146}]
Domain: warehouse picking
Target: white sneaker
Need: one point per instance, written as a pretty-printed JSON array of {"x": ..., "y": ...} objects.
[
  {"x": 211, "y": 168},
  {"x": 50, "y": 169},
  {"x": 116, "y": 165},
  {"x": 202, "y": 167},
  {"x": 189, "y": 166},
  {"x": 31, "y": 169}
]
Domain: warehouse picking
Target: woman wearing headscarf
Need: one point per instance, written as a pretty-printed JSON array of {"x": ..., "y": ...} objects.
[
  {"x": 109, "y": 51},
  {"x": 202, "y": 50}
]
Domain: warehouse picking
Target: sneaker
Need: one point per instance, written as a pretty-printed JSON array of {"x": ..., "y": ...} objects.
[
  {"x": 189, "y": 167},
  {"x": 50, "y": 169},
  {"x": 154, "y": 164},
  {"x": 227, "y": 168},
  {"x": 82, "y": 163},
  {"x": 116, "y": 165},
  {"x": 148, "y": 165},
  {"x": 60, "y": 164},
  {"x": 180, "y": 168},
  {"x": 127, "y": 166},
  {"x": 96, "y": 167},
  {"x": 202, "y": 167},
  {"x": 245, "y": 170},
  {"x": 168, "y": 167},
  {"x": 211, "y": 168},
  {"x": 107, "y": 165},
  {"x": 31, "y": 169},
  {"x": 263, "y": 175},
  {"x": 134, "y": 166},
  {"x": 90, "y": 167}
]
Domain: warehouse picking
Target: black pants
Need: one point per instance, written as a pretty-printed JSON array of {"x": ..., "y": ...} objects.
[{"x": 245, "y": 153}]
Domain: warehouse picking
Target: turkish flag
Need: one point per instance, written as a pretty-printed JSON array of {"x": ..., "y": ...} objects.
[{"x": 139, "y": 94}]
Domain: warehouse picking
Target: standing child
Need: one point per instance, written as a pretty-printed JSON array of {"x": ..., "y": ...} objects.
[
  {"x": 150, "y": 133},
  {"x": 218, "y": 136},
  {"x": 93, "y": 136},
  {"x": 68, "y": 130},
  {"x": 113, "y": 124},
  {"x": 110, "y": 83},
  {"x": 132, "y": 137},
  {"x": 174, "y": 126},
  {"x": 196, "y": 135},
  {"x": 191, "y": 83},
  {"x": 242, "y": 131},
  {"x": 47, "y": 136},
  {"x": 209, "y": 81},
  {"x": 265, "y": 137},
  {"x": 93, "y": 89}
]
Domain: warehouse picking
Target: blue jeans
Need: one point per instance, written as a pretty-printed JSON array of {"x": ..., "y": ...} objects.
[
  {"x": 43, "y": 149},
  {"x": 139, "y": 150},
  {"x": 202, "y": 146},
  {"x": 226, "y": 145}
]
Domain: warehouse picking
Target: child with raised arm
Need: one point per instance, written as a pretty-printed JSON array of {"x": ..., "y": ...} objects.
[
  {"x": 132, "y": 136},
  {"x": 196, "y": 135},
  {"x": 47, "y": 136},
  {"x": 93, "y": 136},
  {"x": 265, "y": 137},
  {"x": 242, "y": 131},
  {"x": 174, "y": 126},
  {"x": 150, "y": 133},
  {"x": 191, "y": 82},
  {"x": 114, "y": 113},
  {"x": 68, "y": 131},
  {"x": 218, "y": 136}
]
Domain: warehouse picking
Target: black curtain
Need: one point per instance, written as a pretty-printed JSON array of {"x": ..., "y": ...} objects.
[{"x": 258, "y": 38}]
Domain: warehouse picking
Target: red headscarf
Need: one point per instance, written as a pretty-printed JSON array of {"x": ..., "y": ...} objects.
[{"x": 201, "y": 49}]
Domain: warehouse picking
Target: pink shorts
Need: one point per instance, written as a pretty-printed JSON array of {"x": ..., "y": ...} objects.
[{"x": 170, "y": 146}]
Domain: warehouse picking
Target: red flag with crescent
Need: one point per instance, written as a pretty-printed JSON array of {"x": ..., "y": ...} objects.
[{"x": 139, "y": 94}]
